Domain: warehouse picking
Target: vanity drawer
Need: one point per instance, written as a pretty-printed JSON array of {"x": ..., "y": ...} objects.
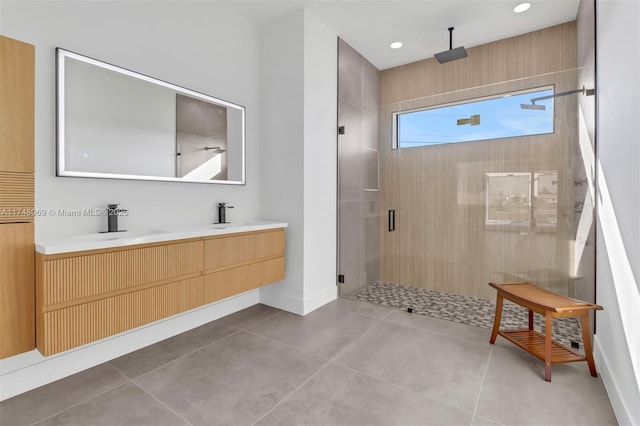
[
  {"x": 228, "y": 250},
  {"x": 71, "y": 277},
  {"x": 77, "y": 325},
  {"x": 228, "y": 282}
]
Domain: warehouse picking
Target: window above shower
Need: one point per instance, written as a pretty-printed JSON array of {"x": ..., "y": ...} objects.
[{"x": 513, "y": 114}]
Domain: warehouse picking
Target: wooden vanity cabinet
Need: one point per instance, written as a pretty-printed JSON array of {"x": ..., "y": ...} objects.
[
  {"x": 85, "y": 296},
  {"x": 235, "y": 264},
  {"x": 17, "y": 319},
  {"x": 17, "y": 76}
]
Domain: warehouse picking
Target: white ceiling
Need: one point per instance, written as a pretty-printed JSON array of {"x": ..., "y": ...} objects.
[{"x": 370, "y": 26}]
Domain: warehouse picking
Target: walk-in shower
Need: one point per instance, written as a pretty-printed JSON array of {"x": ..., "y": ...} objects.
[{"x": 445, "y": 208}]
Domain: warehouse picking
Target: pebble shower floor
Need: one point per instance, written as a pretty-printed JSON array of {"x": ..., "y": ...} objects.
[{"x": 467, "y": 310}]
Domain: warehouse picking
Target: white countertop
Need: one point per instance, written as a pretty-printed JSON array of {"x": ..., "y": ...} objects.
[{"x": 121, "y": 239}]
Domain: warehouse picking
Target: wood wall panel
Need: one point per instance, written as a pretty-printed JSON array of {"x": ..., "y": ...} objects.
[
  {"x": 541, "y": 52},
  {"x": 220, "y": 285},
  {"x": 77, "y": 277},
  {"x": 17, "y": 315},
  {"x": 16, "y": 197},
  {"x": 17, "y": 76},
  {"x": 77, "y": 325},
  {"x": 439, "y": 192}
]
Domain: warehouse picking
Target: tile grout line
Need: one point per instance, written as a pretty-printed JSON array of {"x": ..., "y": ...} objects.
[
  {"x": 332, "y": 361},
  {"x": 280, "y": 311},
  {"x": 484, "y": 376},
  {"x": 441, "y": 333},
  {"x": 377, "y": 320},
  {"x": 131, "y": 380},
  {"x": 160, "y": 401},
  {"x": 291, "y": 393},
  {"x": 384, "y": 319},
  {"x": 236, "y": 331},
  {"x": 284, "y": 344},
  {"x": 355, "y": 340},
  {"x": 86, "y": 400},
  {"x": 399, "y": 386},
  {"x": 328, "y": 362}
]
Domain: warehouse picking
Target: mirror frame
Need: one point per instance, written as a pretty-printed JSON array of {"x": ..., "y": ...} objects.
[{"x": 61, "y": 170}]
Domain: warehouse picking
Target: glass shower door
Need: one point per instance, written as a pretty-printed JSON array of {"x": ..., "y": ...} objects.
[
  {"x": 358, "y": 184},
  {"x": 491, "y": 197}
]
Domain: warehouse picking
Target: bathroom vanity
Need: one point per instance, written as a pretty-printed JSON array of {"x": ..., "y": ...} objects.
[{"x": 94, "y": 286}]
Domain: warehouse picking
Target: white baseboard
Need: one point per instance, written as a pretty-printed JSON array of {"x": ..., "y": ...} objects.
[
  {"x": 622, "y": 412},
  {"x": 24, "y": 372},
  {"x": 270, "y": 297},
  {"x": 273, "y": 298},
  {"x": 319, "y": 299}
]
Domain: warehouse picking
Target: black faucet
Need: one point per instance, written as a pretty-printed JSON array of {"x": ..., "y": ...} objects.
[
  {"x": 222, "y": 212},
  {"x": 112, "y": 218}
]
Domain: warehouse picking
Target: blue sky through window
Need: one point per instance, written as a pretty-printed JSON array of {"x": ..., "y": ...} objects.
[{"x": 500, "y": 117}]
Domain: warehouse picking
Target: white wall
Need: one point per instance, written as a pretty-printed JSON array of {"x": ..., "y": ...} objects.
[
  {"x": 299, "y": 89},
  {"x": 320, "y": 162},
  {"x": 282, "y": 96},
  {"x": 617, "y": 340},
  {"x": 199, "y": 45}
]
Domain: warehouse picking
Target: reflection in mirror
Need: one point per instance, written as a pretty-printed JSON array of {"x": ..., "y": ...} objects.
[
  {"x": 115, "y": 123},
  {"x": 201, "y": 139}
]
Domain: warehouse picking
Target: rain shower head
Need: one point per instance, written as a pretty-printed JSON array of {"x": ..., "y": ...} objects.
[
  {"x": 533, "y": 106},
  {"x": 451, "y": 54}
]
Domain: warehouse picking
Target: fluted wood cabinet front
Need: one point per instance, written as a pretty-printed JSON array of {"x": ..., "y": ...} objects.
[
  {"x": 17, "y": 322},
  {"x": 73, "y": 278},
  {"x": 82, "y": 297},
  {"x": 17, "y": 317},
  {"x": 77, "y": 325},
  {"x": 17, "y": 76},
  {"x": 228, "y": 282},
  {"x": 235, "y": 264}
]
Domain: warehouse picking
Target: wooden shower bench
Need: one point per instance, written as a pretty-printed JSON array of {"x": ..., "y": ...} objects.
[{"x": 550, "y": 305}]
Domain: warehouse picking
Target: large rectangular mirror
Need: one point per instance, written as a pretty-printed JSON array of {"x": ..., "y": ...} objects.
[{"x": 119, "y": 124}]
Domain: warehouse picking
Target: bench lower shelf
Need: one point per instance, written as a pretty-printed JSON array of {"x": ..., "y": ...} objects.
[{"x": 534, "y": 343}]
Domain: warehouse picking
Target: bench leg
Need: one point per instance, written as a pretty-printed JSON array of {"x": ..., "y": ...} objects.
[
  {"x": 586, "y": 340},
  {"x": 530, "y": 319},
  {"x": 496, "y": 320},
  {"x": 547, "y": 346}
]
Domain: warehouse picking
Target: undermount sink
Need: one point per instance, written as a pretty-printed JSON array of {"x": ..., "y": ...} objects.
[
  {"x": 227, "y": 225},
  {"x": 122, "y": 235}
]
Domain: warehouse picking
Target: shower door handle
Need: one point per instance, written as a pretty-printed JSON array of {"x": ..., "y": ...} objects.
[{"x": 392, "y": 220}]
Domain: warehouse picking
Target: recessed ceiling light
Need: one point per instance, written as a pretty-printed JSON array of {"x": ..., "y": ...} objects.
[
  {"x": 522, "y": 7},
  {"x": 396, "y": 45}
]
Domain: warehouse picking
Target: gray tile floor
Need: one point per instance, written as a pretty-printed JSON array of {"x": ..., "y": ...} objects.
[{"x": 347, "y": 363}]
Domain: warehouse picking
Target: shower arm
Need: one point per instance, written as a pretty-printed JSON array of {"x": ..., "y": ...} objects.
[{"x": 587, "y": 92}]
